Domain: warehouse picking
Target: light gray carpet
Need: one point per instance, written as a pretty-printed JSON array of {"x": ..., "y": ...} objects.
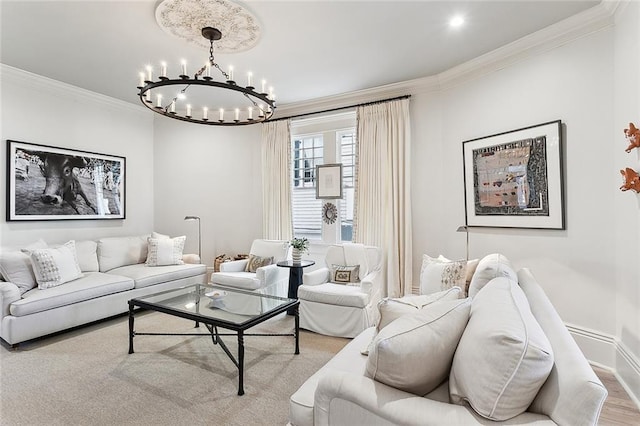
[{"x": 86, "y": 377}]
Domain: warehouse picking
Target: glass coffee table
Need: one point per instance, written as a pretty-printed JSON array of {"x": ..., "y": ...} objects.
[{"x": 217, "y": 307}]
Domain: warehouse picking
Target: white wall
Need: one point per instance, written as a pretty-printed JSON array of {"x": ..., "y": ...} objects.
[
  {"x": 43, "y": 111},
  {"x": 573, "y": 83},
  {"x": 211, "y": 172},
  {"x": 590, "y": 270},
  {"x": 626, "y": 205}
]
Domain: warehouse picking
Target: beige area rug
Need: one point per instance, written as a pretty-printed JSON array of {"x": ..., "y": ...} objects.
[{"x": 86, "y": 377}]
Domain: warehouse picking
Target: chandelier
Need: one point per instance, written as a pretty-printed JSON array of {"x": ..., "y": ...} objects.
[{"x": 203, "y": 99}]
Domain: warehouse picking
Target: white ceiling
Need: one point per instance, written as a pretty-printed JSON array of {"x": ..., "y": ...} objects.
[{"x": 308, "y": 49}]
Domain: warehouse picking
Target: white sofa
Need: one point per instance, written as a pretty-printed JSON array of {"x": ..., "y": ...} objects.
[
  {"x": 113, "y": 270},
  {"x": 340, "y": 393}
]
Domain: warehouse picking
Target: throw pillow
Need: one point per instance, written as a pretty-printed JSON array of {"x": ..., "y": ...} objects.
[
  {"x": 414, "y": 353},
  {"x": 471, "y": 268},
  {"x": 256, "y": 262},
  {"x": 165, "y": 251},
  {"x": 503, "y": 357},
  {"x": 393, "y": 308},
  {"x": 491, "y": 266},
  {"x": 114, "y": 252},
  {"x": 15, "y": 266},
  {"x": 437, "y": 275},
  {"x": 87, "y": 252},
  {"x": 341, "y": 274},
  {"x": 55, "y": 266}
]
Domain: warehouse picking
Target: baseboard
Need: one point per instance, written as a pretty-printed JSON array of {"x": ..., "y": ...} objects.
[
  {"x": 607, "y": 352},
  {"x": 628, "y": 372}
]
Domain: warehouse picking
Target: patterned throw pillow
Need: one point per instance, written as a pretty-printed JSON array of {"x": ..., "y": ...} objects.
[
  {"x": 256, "y": 262},
  {"x": 345, "y": 274},
  {"x": 437, "y": 275},
  {"x": 165, "y": 251},
  {"x": 55, "y": 266}
]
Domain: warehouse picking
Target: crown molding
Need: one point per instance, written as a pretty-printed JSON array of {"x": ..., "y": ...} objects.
[
  {"x": 582, "y": 24},
  {"x": 58, "y": 88}
]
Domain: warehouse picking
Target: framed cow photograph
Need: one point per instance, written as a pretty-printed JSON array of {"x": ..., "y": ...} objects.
[{"x": 52, "y": 183}]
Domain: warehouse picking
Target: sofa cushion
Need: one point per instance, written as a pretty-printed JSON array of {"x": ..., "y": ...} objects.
[
  {"x": 348, "y": 359},
  {"x": 242, "y": 280},
  {"x": 144, "y": 276},
  {"x": 87, "y": 252},
  {"x": 343, "y": 274},
  {"x": 491, "y": 266},
  {"x": 414, "y": 353},
  {"x": 90, "y": 286},
  {"x": 165, "y": 251},
  {"x": 334, "y": 294},
  {"x": 437, "y": 275},
  {"x": 121, "y": 251},
  {"x": 393, "y": 308},
  {"x": 501, "y": 380},
  {"x": 54, "y": 266},
  {"x": 15, "y": 266}
]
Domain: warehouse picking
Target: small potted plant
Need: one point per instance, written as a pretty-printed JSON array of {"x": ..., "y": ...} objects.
[{"x": 300, "y": 245}]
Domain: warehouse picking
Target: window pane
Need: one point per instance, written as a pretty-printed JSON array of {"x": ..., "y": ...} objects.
[
  {"x": 307, "y": 220},
  {"x": 347, "y": 158}
]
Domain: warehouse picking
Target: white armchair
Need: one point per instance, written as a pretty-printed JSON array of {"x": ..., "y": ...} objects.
[
  {"x": 342, "y": 310},
  {"x": 269, "y": 279}
]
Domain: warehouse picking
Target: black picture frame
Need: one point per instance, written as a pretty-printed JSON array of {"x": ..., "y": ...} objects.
[
  {"x": 515, "y": 179},
  {"x": 46, "y": 182}
]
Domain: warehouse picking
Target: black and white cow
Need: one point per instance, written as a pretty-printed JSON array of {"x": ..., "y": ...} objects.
[{"x": 61, "y": 184}]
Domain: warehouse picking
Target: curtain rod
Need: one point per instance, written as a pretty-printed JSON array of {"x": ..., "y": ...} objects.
[{"x": 341, "y": 108}]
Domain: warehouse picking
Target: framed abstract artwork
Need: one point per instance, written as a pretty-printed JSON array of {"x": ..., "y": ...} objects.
[
  {"x": 52, "y": 183},
  {"x": 515, "y": 179}
]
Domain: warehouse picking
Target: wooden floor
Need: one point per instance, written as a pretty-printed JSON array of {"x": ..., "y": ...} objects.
[{"x": 618, "y": 409}]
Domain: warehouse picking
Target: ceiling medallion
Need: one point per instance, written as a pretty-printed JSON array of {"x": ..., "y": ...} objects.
[{"x": 186, "y": 18}]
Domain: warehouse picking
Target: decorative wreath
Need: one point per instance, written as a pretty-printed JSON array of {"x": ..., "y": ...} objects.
[{"x": 329, "y": 213}]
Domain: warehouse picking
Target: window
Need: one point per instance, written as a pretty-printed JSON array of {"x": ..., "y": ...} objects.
[{"x": 324, "y": 140}]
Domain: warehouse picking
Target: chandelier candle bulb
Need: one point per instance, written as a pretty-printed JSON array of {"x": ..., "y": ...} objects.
[
  {"x": 208, "y": 68},
  {"x": 149, "y": 73},
  {"x": 250, "y": 113},
  {"x": 159, "y": 101},
  {"x": 141, "y": 80},
  {"x": 264, "y": 83},
  {"x": 237, "y": 114},
  {"x": 249, "y": 75},
  {"x": 221, "y": 114},
  {"x": 163, "y": 70},
  {"x": 231, "y": 73},
  {"x": 205, "y": 113},
  {"x": 188, "y": 110},
  {"x": 184, "y": 67}
]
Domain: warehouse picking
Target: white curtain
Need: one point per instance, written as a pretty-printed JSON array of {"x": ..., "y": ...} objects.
[
  {"x": 276, "y": 176},
  {"x": 382, "y": 199}
]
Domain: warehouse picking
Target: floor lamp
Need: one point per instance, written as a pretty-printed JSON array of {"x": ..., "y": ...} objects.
[
  {"x": 465, "y": 229},
  {"x": 199, "y": 239}
]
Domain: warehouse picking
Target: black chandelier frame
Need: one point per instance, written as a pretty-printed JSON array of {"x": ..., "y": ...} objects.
[{"x": 249, "y": 92}]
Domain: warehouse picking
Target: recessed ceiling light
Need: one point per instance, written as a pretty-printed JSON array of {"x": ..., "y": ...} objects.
[{"x": 456, "y": 21}]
